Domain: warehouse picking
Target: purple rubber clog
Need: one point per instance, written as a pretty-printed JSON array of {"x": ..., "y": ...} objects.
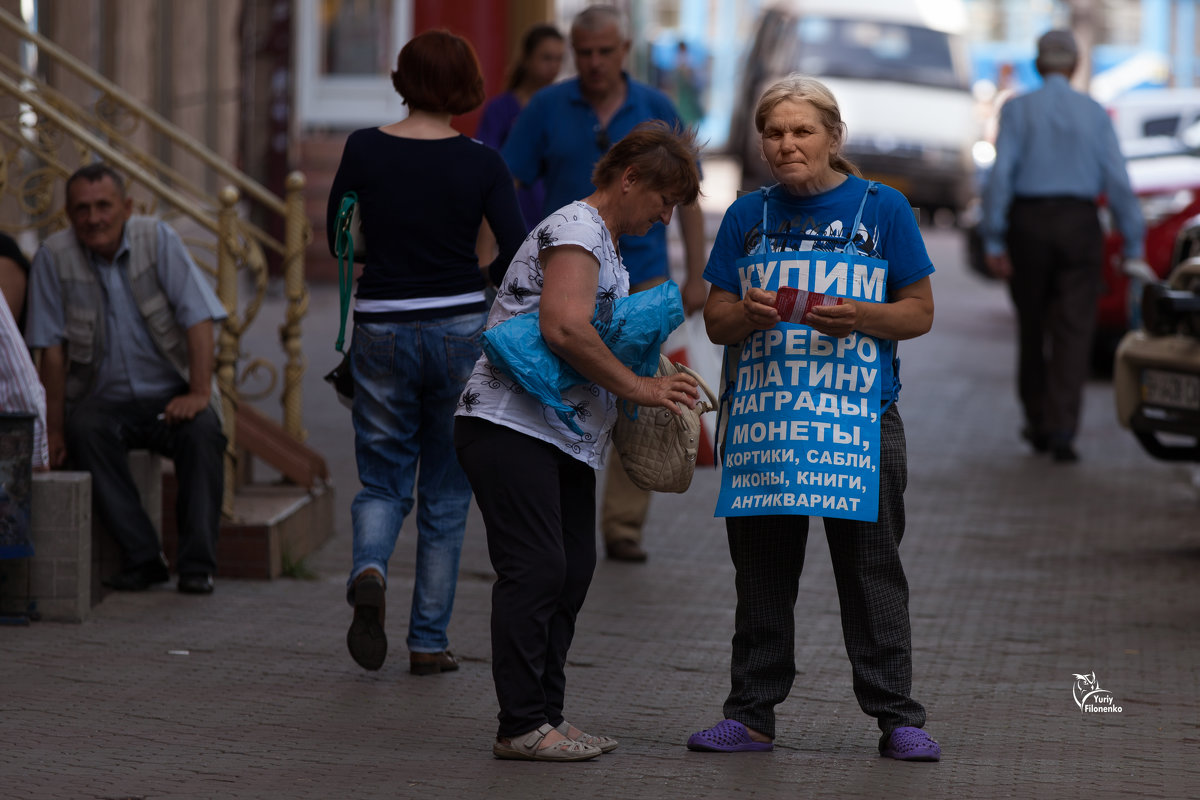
[
  {"x": 727, "y": 736},
  {"x": 912, "y": 744}
]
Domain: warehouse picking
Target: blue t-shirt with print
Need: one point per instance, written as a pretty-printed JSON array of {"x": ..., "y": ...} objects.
[
  {"x": 888, "y": 231},
  {"x": 558, "y": 138}
]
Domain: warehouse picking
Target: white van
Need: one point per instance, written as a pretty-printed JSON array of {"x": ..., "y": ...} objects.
[
  {"x": 900, "y": 73},
  {"x": 1150, "y": 113}
]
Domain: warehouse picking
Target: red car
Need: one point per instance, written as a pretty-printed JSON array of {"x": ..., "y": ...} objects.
[{"x": 1168, "y": 186}]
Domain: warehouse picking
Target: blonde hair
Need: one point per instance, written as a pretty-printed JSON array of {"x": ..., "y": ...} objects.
[{"x": 804, "y": 89}]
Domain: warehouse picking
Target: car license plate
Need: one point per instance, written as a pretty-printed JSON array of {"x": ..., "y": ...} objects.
[{"x": 1171, "y": 389}]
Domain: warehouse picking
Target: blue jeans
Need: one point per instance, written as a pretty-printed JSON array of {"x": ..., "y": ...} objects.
[{"x": 407, "y": 380}]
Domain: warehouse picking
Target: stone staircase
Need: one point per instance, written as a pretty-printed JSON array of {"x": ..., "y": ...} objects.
[{"x": 275, "y": 525}]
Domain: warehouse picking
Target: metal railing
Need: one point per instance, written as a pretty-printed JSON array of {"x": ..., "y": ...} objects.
[{"x": 53, "y": 134}]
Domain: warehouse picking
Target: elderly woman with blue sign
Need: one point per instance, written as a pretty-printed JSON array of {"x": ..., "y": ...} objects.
[{"x": 814, "y": 280}]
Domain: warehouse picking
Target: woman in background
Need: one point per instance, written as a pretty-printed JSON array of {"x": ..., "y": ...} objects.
[
  {"x": 424, "y": 190},
  {"x": 542, "y": 50}
]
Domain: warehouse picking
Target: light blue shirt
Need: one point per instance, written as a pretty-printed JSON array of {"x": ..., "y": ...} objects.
[
  {"x": 1057, "y": 142},
  {"x": 131, "y": 366}
]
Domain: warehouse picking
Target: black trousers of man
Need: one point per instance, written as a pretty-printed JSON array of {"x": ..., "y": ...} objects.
[
  {"x": 100, "y": 435},
  {"x": 1057, "y": 253}
]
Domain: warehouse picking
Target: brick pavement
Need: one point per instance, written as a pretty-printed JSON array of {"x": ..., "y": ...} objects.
[{"x": 1022, "y": 572}]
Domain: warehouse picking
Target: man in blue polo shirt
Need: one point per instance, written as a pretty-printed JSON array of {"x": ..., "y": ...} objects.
[{"x": 559, "y": 137}]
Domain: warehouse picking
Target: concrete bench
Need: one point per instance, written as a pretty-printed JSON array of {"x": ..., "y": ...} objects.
[
  {"x": 273, "y": 527},
  {"x": 61, "y": 582},
  {"x": 55, "y": 584}
]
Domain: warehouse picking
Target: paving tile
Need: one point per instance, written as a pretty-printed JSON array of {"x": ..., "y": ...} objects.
[{"x": 1022, "y": 574}]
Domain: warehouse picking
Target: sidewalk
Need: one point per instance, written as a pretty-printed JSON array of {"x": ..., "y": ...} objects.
[{"x": 1023, "y": 573}]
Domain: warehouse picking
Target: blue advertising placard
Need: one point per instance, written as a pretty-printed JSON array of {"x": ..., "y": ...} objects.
[{"x": 803, "y": 429}]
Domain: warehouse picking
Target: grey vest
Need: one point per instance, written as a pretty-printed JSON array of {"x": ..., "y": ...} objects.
[{"x": 84, "y": 306}]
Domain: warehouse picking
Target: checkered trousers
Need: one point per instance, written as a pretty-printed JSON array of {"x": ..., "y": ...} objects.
[{"x": 768, "y": 555}]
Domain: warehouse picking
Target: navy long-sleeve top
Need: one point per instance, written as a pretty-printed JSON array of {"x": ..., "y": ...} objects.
[{"x": 422, "y": 203}]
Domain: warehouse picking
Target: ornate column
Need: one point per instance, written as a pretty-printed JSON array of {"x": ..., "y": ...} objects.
[
  {"x": 296, "y": 235},
  {"x": 227, "y": 340}
]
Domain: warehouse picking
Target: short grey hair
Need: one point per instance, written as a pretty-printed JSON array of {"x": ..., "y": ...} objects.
[
  {"x": 1057, "y": 51},
  {"x": 597, "y": 18}
]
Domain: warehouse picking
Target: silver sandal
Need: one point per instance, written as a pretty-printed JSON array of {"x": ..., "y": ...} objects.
[
  {"x": 525, "y": 748},
  {"x": 606, "y": 743}
]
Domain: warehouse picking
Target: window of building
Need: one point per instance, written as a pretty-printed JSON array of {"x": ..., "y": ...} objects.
[{"x": 346, "y": 50}]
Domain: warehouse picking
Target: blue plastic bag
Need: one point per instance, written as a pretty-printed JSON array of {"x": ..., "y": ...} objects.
[{"x": 633, "y": 327}]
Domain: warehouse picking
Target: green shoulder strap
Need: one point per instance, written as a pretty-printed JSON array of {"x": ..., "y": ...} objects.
[{"x": 343, "y": 246}]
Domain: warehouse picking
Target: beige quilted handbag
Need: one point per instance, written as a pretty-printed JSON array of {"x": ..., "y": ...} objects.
[{"x": 658, "y": 448}]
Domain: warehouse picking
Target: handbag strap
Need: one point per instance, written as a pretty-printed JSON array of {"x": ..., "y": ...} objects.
[
  {"x": 665, "y": 366},
  {"x": 343, "y": 246},
  {"x": 703, "y": 406}
]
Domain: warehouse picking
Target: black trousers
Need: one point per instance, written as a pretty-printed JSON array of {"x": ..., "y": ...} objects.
[
  {"x": 768, "y": 556},
  {"x": 99, "y": 436},
  {"x": 539, "y": 508},
  {"x": 1057, "y": 253}
]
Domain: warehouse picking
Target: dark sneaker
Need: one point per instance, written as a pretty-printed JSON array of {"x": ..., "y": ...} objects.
[
  {"x": 366, "y": 640},
  {"x": 911, "y": 744},
  {"x": 432, "y": 663},
  {"x": 195, "y": 583},
  {"x": 625, "y": 550},
  {"x": 1064, "y": 453},
  {"x": 1040, "y": 442},
  {"x": 141, "y": 577}
]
